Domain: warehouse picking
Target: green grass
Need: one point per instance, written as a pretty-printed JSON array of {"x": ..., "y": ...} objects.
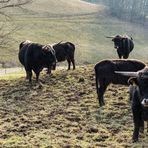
[
  {"x": 50, "y": 22},
  {"x": 64, "y": 112}
]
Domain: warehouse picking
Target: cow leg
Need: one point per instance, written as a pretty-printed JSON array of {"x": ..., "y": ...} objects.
[
  {"x": 37, "y": 77},
  {"x": 119, "y": 55},
  {"x": 142, "y": 126},
  {"x": 137, "y": 122},
  {"x": 29, "y": 74},
  {"x": 73, "y": 63},
  {"x": 125, "y": 56},
  {"x": 101, "y": 90},
  {"x": 147, "y": 126},
  {"x": 37, "y": 72},
  {"x": 69, "y": 63},
  {"x": 49, "y": 71}
]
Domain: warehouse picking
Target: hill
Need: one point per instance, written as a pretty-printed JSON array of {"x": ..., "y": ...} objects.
[
  {"x": 82, "y": 23},
  {"x": 64, "y": 112}
]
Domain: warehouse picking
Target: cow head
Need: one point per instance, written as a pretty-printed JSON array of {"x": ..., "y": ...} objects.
[
  {"x": 140, "y": 79},
  {"x": 49, "y": 54},
  {"x": 117, "y": 41}
]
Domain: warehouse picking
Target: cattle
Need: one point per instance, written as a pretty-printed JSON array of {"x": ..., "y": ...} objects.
[
  {"x": 105, "y": 74},
  {"x": 34, "y": 56},
  {"x": 139, "y": 81},
  {"x": 123, "y": 44},
  {"x": 65, "y": 51}
]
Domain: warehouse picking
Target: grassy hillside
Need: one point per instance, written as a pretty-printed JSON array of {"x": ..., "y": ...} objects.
[
  {"x": 82, "y": 23},
  {"x": 64, "y": 112}
]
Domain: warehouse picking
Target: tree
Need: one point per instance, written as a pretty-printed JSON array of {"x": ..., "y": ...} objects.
[
  {"x": 5, "y": 35},
  {"x": 131, "y": 10}
]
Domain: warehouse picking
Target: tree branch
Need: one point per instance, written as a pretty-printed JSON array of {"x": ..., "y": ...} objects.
[{"x": 16, "y": 4}]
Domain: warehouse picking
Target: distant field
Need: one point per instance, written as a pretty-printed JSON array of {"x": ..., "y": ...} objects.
[{"x": 84, "y": 24}]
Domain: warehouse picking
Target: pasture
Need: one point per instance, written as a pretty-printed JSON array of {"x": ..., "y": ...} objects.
[
  {"x": 64, "y": 112},
  {"x": 64, "y": 21}
]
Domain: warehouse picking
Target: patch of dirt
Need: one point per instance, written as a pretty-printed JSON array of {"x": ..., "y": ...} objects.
[{"x": 64, "y": 112}]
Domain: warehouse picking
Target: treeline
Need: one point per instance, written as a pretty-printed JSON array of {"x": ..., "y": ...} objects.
[{"x": 131, "y": 10}]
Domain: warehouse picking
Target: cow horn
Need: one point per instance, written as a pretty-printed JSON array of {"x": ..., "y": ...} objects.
[
  {"x": 59, "y": 42},
  {"x": 130, "y": 74},
  {"x": 110, "y": 37}
]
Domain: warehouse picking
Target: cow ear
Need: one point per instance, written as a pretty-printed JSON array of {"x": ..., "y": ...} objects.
[
  {"x": 113, "y": 39},
  {"x": 132, "y": 81}
]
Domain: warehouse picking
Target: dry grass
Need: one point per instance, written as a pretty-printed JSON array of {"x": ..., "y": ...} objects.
[{"x": 64, "y": 112}]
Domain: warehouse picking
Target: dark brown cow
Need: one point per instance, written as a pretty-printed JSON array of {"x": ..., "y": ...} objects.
[
  {"x": 139, "y": 81},
  {"x": 65, "y": 51},
  {"x": 105, "y": 74},
  {"x": 34, "y": 56},
  {"x": 123, "y": 44}
]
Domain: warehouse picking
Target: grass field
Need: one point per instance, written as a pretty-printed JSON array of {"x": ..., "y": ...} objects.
[
  {"x": 64, "y": 112},
  {"x": 84, "y": 24}
]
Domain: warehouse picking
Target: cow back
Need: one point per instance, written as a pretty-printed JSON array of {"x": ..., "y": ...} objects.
[{"x": 106, "y": 69}]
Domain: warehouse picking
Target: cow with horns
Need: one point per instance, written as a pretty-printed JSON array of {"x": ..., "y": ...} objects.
[
  {"x": 105, "y": 74},
  {"x": 139, "y": 82},
  {"x": 123, "y": 44}
]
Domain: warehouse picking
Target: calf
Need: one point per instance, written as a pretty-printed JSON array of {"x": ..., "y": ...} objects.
[
  {"x": 139, "y": 81},
  {"x": 105, "y": 74}
]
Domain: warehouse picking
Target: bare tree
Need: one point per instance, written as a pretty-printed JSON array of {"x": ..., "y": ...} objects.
[
  {"x": 131, "y": 10},
  {"x": 4, "y": 4}
]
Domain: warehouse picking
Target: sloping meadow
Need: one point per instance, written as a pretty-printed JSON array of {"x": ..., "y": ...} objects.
[{"x": 64, "y": 112}]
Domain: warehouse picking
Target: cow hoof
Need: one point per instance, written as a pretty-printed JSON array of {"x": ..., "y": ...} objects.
[
  {"x": 135, "y": 140},
  {"x": 141, "y": 130},
  {"x": 102, "y": 104}
]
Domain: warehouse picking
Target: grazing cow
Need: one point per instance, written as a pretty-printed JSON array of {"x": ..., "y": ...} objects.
[
  {"x": 34, "y": 56},
  {"x": 123, "y": 44},
  {"x": 139, "y": 81},
  {"x": 105, "y": 74},
  {"x": 65, "y": 51}
]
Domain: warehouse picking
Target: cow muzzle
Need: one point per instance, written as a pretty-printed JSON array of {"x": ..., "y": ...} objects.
[{"x": 144, "y": 102}]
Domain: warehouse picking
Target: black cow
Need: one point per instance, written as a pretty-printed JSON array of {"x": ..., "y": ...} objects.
[
  {"x": 105, "y": 74},
  {"x": 139, "y": 81},
  {"x": 65, "y": 51},
  {"x": 123, "y": 44},
  {"x": 34, "y": 56}
]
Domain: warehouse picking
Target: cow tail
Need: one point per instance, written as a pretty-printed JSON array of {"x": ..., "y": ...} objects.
[
  {"x": 128, "y": 45},
  {"x": 21, "y": 45},
  {"x": 72, "y": 47},
  {"x": 97, "y": 81}
]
